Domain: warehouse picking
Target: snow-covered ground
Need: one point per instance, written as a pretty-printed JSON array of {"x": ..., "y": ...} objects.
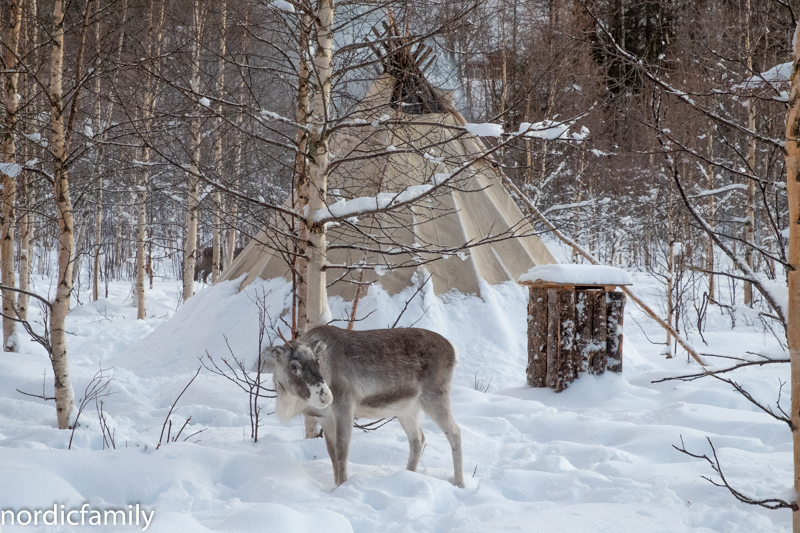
[{"x": 597, "y": 457}]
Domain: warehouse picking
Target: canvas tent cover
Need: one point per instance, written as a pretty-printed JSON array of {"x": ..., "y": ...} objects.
[{"x": 387, "y": 147}]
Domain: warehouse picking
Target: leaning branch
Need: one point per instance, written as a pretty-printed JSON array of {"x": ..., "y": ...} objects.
[{"x": 580, "y": 250}]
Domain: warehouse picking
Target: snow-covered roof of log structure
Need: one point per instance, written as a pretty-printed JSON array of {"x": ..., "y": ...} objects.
[{"x": 576, "y": 275}]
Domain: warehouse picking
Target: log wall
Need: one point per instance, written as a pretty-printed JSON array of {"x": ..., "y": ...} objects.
[{"x": 571, "y": 331}]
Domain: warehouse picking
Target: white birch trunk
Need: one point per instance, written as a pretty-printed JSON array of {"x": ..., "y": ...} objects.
[
  {"x": 25, "y": 227},
  {"x": 711, "y": 214},
  {"x": 190, "y": 249},
  {"x": 793, "y": 318},
  {"x": 318, "y": 312},
  {"x": 301, "y": 179},
  {"x": 151, "y": 88},
  {"x": 233, "y": 211},
  {"x": 98, "y": 240},
  {"x": 26, "y": 220},
  {"x": 670, "y": 272},
  {"x": 98, "y": 212},
  {"x": 141, "y": 234},
  {"x": 98, "y": 216},
  {"x": 63, "y": 386},
  {"x": 9, "y": 156},
  {"x": 750, "y": 218},
  {"x": 576, "y": 218},
  {"x": 216, "y": 254}
]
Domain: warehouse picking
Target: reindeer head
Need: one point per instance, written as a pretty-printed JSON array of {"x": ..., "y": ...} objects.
[{"x": 297, "y": 378}]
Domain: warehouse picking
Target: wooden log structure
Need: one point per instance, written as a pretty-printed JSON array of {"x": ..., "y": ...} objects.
[
  {"x": 537, "y": 329},
  {"x": 573, "y": 328}
]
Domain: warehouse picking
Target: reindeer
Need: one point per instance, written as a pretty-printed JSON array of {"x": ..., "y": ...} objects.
[
  {"x": 334, "y": 375},
  {"x": 205, "y": 263}
]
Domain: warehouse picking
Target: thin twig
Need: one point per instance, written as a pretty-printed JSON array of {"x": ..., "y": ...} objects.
[
  {"x": 40, "y": 396},
  {"x": 409, "y": 301},
  {"x": 769, "y": 503},
  {"x": 172, "y": 408}
]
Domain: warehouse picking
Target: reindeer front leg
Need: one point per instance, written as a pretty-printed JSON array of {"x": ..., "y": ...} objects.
[
  {"x": 328, "y": 425},
  {"x": 343, "y": 413}
]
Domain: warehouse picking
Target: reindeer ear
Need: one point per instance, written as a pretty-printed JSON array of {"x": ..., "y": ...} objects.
[
  {"x": 318, "y": 347},
  {"x": 268, "y": 361},
  {"x": 278, "y": 352}
]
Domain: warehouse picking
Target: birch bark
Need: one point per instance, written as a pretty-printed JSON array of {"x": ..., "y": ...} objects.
[
  {"x": 190, "y": 248},
  {"x": 63, "y": 386},
  {"x": 28, "y": 201},
  {"x": 9, "y": 157},
  {"x": 711, "y": 215},
  {"x": 318, "y": 312},
  {"x": 793, "y": 319},
  {"x": 149, "y": 101},
  {"x": 216, "y": 257},
  {"x": 301, "y": 179},
  {"x": 750, "y": 219}
]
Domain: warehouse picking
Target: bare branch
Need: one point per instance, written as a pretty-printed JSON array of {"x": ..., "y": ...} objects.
[{"x": 769, "y": 503}]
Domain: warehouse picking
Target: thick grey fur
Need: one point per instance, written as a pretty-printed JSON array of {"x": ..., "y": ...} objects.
[{"x": 374, "y": 374}]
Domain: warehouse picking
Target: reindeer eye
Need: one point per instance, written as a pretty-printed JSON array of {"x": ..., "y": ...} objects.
[{"x": 294, "y": 366}]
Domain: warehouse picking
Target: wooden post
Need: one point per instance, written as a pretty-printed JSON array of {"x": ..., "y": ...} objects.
[
  {"x": 597, "y": 350},
  {"x": 553, "y": 321},
  {"x": 537, "y": 337},
  {"x": 583, "y": 330},
  {"x": 566, "y": 358},
  {"x": 615, "y": 314}
]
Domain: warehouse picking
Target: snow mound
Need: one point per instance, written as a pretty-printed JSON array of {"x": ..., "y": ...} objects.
[
  {"x": 203, "y": 324},
  {"x": 577, "y": 275}
]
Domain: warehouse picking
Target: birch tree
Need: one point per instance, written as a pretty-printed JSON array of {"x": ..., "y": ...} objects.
[
  {"x": 793, "y": 192},
  {"x": 148, "y": 104},
  {"x": 64, "y": 393},
  {"x": 317, "y": 311},
  {"x": 10, "y": 169},
  {"x": 193, "y": 183},
  {"x": 301, "y": 185},
  {"x": 216, "y": 244}
]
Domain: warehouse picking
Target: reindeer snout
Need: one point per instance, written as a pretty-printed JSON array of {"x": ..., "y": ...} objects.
[{"x": 321, "y": 396}]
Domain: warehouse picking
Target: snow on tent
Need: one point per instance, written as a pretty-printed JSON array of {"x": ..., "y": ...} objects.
[{"x": 404, "y": 138}]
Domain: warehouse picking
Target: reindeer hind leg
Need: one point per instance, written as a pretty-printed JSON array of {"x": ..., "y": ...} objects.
[
  {"x": 438, "y": 408},
  {"x": 416, "y": 439}
]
